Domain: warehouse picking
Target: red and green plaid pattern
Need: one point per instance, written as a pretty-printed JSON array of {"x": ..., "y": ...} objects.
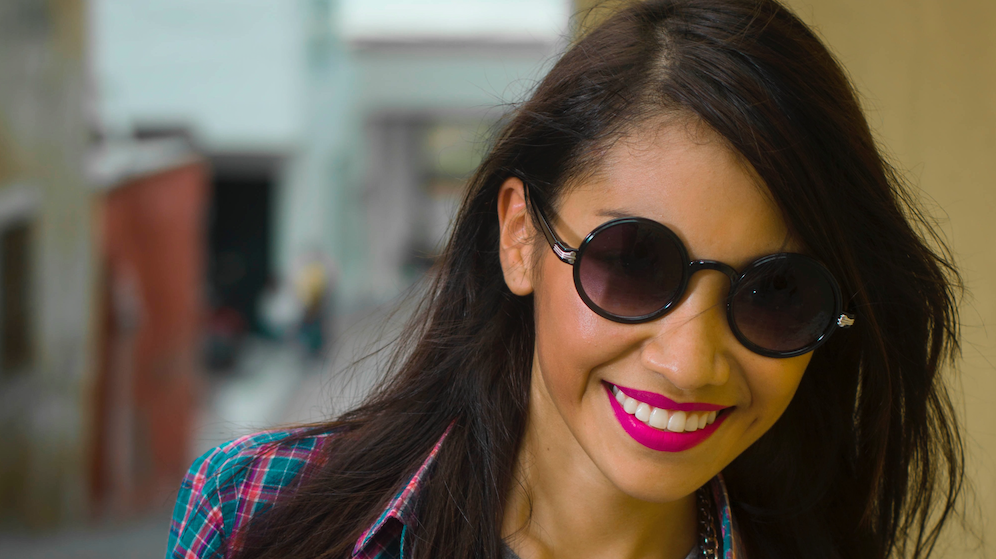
[{"x": 230, "y": 484}]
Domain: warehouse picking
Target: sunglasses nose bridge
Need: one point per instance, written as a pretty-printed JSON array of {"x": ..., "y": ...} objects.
[{"x": 725, "y": 269}]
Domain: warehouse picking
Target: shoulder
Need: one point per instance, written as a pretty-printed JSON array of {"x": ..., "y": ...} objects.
[{"x": 230, "y": 483}]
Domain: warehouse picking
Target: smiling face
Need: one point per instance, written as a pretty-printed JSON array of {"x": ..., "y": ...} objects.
[{"x": 688, "y": 360}]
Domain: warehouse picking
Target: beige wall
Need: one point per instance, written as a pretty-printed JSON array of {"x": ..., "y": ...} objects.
[
  {"x": 926, "y": 70},
  {"x": 43, "y": 142}
]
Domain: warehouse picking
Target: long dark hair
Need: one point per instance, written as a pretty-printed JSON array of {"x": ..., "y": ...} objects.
[{"x": 866, "y": 461}]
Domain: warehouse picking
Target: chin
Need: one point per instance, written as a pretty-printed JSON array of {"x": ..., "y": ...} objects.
[{"x": 651, "y": 476}]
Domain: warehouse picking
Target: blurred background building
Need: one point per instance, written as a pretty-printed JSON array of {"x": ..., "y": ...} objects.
[
  {"x": 202, "y": 200},
  {"x": 198, "y": 201},
  {"x": 46, "y": 260}
]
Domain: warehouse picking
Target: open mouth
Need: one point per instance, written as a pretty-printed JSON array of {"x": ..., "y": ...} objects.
[
  {"x": 674, "y": 420},
  {"x": 661, "y": 424}
]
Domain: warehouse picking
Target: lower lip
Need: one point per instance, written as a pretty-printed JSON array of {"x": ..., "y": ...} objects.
[{"x": 655, "y": 439}]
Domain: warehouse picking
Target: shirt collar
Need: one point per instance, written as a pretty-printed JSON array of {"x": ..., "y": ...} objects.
[
  {"x": 402, "y": 507},
  {"x": 728, "y": 526}
]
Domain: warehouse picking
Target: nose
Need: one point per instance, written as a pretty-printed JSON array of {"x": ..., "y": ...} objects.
[{"x": 691, "y": 345}]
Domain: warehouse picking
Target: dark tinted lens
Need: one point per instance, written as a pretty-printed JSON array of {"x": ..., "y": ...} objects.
[
  {"x": 784, "y": 304},
  {"x": 631, "y": 269}
]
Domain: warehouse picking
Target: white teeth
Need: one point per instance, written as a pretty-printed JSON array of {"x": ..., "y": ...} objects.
[
  {"x": 659, "y": 418},
  {"x": 691, "y": 422},
  {"x": 630, "y": 405},
  {"x": 677, "y": 422}
]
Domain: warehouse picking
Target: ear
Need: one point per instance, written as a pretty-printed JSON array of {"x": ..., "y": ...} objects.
[{"x": 515, "y": 244}]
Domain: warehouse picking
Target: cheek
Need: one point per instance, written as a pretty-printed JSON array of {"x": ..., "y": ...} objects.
[
  {"x": 772, "y": 386},
  {"x": 560, "y": 312},
  {"x": 564, "y": 324},
  {"x": 571, "y": 340}
]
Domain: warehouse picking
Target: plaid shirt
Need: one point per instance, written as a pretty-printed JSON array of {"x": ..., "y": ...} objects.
[{"x": 229, "y": 484}]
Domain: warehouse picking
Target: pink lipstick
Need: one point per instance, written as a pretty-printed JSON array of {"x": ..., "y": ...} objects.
[
  {"x": 657, "y": 439},
  {"x": 659, "y": 401}
]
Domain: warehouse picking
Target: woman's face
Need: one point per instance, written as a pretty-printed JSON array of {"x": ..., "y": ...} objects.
[{"x": 686, "y": 178}]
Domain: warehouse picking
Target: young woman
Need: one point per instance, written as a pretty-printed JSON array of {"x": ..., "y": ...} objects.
[{"x": 685, "y": 312}]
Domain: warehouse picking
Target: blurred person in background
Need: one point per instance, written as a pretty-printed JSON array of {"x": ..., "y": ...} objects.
[
  {"x": 630, "y": 346},
  {"x": 314, "y": 281},
  {"x": 301, "y": 308},
  {"x": 312, "y": 293}
]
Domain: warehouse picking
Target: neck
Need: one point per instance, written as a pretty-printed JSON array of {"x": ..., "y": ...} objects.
[{"x": 561, "y": 506}]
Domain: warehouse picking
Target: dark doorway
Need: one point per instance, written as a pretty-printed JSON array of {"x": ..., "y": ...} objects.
[
  {"x": 240, "y": 231},
  {"x": 15, "y": 300}
]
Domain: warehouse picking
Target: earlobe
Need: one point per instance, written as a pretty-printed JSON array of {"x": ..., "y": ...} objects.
[{"x": 515, "y": 237}]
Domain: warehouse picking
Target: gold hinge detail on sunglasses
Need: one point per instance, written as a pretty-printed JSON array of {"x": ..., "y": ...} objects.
[{"x": 845, "y": 320}]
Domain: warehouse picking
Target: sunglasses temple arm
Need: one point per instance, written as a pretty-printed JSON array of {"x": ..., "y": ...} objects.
[
  {"x": 565, "y": 253},
  {"x": 845, "y": 320}
]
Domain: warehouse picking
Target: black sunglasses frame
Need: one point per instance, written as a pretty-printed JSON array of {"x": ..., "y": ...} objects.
[{"x": 573, "y": 256}]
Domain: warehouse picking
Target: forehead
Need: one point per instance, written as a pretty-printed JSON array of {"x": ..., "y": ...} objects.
[{"x": 684, "y": 176}]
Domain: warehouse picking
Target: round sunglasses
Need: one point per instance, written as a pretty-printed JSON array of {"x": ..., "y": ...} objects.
[{"x": 634, "y": 270}]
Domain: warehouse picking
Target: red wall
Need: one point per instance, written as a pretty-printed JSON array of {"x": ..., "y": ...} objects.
[{"x": 153, "y": 246}]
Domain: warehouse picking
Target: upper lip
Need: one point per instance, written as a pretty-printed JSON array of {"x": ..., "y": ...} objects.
[{"x": 663, "y": 402}]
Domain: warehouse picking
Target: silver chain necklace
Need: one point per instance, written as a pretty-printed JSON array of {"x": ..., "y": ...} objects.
[{"x": 707, "y": 524}]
